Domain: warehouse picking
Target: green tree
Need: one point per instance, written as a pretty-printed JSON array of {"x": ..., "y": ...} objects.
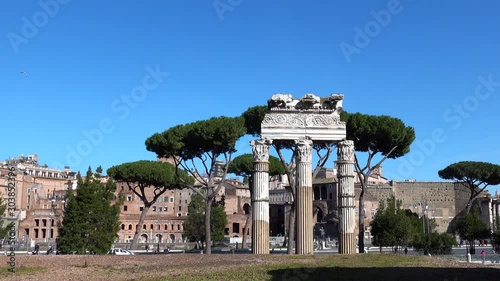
[
  {"x": 475, "y": 176},
  {"x": 196, "y": 147},
  {"x": 391, "y": 225},
  {"x": 143, "y": 176},
  {"x": 91, "y": 220},
  {"x": 195, "y": 221},
  {"x": 375, "y": 135},
  {"x": 470, "y": 228},
  {"x": 434, "y": 243},
  {"x": 194, "y": 228},
  {"x": 253, "y": 119},
  {"x": 242, "y": 166}
]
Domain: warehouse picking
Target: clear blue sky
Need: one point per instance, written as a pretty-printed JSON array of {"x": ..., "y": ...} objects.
[{"x": 420, "y": 61}]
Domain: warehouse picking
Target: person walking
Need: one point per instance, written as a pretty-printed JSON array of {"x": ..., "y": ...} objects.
[{"x": 483, "y": 254}]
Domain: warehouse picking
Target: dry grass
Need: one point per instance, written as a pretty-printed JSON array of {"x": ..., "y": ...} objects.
[{"x": 241, "y": 267}]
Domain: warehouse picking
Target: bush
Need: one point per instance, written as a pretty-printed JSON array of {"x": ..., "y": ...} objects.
[{"x": 434, "y": 243}]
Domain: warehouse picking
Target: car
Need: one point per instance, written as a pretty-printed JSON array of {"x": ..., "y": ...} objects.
[{"x": 121, "y": 252}]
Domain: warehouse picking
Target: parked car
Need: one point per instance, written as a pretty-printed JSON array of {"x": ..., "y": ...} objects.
[{"x": 120, "y": 252}]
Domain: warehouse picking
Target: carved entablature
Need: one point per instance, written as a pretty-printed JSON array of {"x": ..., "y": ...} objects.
[
  {"x": 312, "y": 116},
  {"x": 260, "y": 149},
  {"x": 309, "y": 102}
]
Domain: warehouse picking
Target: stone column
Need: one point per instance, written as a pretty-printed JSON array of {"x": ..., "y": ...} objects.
[
  {"x": 496, "y": 211},
  {"x": 304, "y": 198},
  {"x": 260, "y": 197},
  {"x": 347, "y": 212}
]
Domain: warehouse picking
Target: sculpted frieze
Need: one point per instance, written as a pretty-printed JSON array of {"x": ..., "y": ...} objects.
[{"x": 302, "y": 120}]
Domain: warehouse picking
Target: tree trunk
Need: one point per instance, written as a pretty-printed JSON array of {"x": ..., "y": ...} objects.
[
  {"x": 470, "y": 202},
  {"x": 208, "y": 236},
  {"x": 361, "y": 218},
  {"x": 139, "y": 227},
  {"x": 291, "y": 230},
  {"x": 245, "y": 230}
]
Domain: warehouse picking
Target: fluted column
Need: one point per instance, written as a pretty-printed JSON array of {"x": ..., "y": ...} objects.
[
  {"x": 347, "y": 212},
  {"x": 304, "y": 198},
  {"x": 260, "y": 197}
]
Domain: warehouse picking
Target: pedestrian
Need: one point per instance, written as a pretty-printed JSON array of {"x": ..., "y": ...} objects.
[
  {"x": 483, "y": 253},
  {"x": 406, "y": 250},
  {"x": 36, "y": 250}
]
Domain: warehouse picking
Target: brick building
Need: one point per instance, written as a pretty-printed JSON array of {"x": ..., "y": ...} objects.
[{"x": 40, "y": 193}]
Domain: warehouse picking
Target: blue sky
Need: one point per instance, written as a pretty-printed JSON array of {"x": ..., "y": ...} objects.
[{"x": 433, "y": 64}]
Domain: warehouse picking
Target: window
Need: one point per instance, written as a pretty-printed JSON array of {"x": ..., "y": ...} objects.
[
  {"x": 236, "y": 227},
  {"x": 154, "y": 208},
  {"x": 129, "y": 198},
  {"x": 180, "y": 208},
  {"x": 141, "y": 208},
  {"x": 171, "y": 199},
  {"x": 125, "y": 208},
  {"x": 165, "y": 208}
]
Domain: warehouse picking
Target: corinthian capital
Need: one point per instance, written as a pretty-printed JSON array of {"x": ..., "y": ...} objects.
[
  {"x": 345, "y": 150},
  {"x": 260, "y": 149},
  {"x": 304, "y": 150}
]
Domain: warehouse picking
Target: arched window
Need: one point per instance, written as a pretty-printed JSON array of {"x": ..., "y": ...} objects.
[
  {"x": 323, "y": 192},
  {"x": 246, "y": 209},
  {"x": 317, "y": 194}
]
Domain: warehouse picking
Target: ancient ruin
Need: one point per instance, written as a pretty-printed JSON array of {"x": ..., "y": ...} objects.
[{"x": 303, "y": 121}]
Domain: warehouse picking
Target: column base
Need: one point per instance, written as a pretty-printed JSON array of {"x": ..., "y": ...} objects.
[
  {"x": 260, "y": 237},
  {"x": 347, "y": 243}
]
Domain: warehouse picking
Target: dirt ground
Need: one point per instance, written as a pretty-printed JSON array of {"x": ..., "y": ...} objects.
[
  {"x": 139, "y": 267},
  {"x": 109, "y": 267}
]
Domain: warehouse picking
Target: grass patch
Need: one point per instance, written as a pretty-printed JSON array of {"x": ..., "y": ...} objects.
[{"x": 373, "y": 267}]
